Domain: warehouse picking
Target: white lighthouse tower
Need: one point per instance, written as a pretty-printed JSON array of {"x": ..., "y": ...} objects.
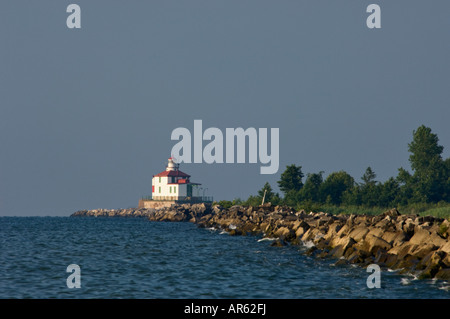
[{"x": 173, "y": 186}]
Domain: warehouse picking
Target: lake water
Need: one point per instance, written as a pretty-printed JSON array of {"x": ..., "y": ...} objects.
[{"x": 136, "y": 258}]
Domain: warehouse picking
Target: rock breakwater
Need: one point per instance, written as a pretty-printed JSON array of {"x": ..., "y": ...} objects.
[{"x": 409, "y": 243}]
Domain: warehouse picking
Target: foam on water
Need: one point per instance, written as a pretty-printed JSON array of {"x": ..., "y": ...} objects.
[
  {"x": 406, "y": 281},
  {"x": 308, "y": 244},
  {"x": 267, "y": 239}
]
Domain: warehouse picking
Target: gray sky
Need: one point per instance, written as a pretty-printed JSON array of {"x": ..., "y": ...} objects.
[{"x": 86, "y": 115}]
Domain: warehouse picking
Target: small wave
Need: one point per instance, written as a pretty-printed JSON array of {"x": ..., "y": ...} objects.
[
  {"x": 266, "y": 239},
  {"x": 391, "y": 270},
  {"x": 223, "y": 232},
  {"x": 232, "y": 226},
  {"x": 445, "y": 287},
  {"x": 308, "y": 244},
  {"x": 318, "y": 236},
  {"x": 405, "y": 281}
]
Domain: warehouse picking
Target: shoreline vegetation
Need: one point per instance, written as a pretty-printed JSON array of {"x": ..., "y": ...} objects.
[
  {"x": 405, "y": 242},
  {"x": 439, "y": 210},
  {"x": 424, "y": 191}
]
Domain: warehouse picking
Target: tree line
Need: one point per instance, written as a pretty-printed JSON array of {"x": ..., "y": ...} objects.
[{"x": 429, "y": 182}]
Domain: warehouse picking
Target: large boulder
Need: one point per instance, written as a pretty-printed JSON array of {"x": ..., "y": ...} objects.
[
  {"x": 371, "y": 244},
  {"x": 386, "y": 224},
  {"x": 391, "y": 260},
  {"x": 421, "y": 251},
  {"x": 341, "y": 245},
  {"x": 408, "y": 226},
  {"x": 394, "y": 238},
  {"x": 310, "y": 234},
  {"x": 278, "y": 243},
  {"x": 420, "y": 237},
  {"x": 443, "y": 273},
  {"x": 344, "y": 230},
  {"x": 301, "y": 229},
  {"x": 423, "y": 236},
  {"x": 359, "y": 233},
  {"x": 362, "y": 220},
  {"x": 217, "y": 209},
  {"x": 444, "y": 229},
  {"x": 392, "y": 213},
  {"x": 332, "y": 231},
  {"x": 433, "y": 265},
  {"x": 446, "y": 247},
  {"x": 80, "y": 213},
  {"x": 284, "y": 233},
  {"x": 376, "y": 231}
]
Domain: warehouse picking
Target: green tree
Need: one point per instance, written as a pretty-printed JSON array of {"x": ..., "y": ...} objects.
[
  {"x": 430, "y": 174},
  {"x": 291, "y": 179},
  {"x": 311, "y": 189},
  {"x": 447, "y": 186},
  {"x": 268, "y": 190},
  {"x": 424, "y": 149},
  {"x": 405, "y": 182},
  {"x": 335, "y": 185},
  {"x": 292, "y": 198},
  {"x": 388, "y": 193},
  {"x": 403, "y": 176},
  {"x": 270, "y": 196},
  {"x": 352, "y": 196},
  {"x": 447, "y": 166},
  {"x": 369, "y": 177},
  {"x": 409, "y": 191},
  {"x": 228, "y": 204},
  {"x": 369, "y": 190},
  {"x": 253, "y": 201}
]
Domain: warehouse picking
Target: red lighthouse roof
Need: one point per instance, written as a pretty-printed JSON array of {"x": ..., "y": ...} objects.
[{"x": 176, "y": 173}]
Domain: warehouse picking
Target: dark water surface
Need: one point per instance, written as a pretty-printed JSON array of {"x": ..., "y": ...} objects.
[{"x": 136, "y": 258}]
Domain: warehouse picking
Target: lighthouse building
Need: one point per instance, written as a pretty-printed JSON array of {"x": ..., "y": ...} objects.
[{"x": 173, "y": 186}]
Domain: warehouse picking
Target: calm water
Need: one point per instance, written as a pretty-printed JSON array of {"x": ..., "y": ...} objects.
[{"x": 135, "y": 258}]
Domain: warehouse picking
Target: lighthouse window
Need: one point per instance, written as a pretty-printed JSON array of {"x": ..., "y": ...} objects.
[
  {"x": 174, "y": 189},
  {"x": 170, "y": 189},
  {"x": 160, "y": 181},
  {"x": 160, "y": 189}
]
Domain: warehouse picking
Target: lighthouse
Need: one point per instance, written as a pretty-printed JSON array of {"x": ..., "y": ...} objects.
[{"x": 173, "y": 186}]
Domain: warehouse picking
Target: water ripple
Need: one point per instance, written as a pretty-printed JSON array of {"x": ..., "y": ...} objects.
[{"x": 135, "y": 258}]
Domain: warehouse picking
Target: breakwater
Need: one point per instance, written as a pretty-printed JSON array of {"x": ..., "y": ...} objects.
[{"x": 409, "y": 243}]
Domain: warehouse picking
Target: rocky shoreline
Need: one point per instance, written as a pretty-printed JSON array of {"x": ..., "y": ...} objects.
[{"x": 408, "y": 243}]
